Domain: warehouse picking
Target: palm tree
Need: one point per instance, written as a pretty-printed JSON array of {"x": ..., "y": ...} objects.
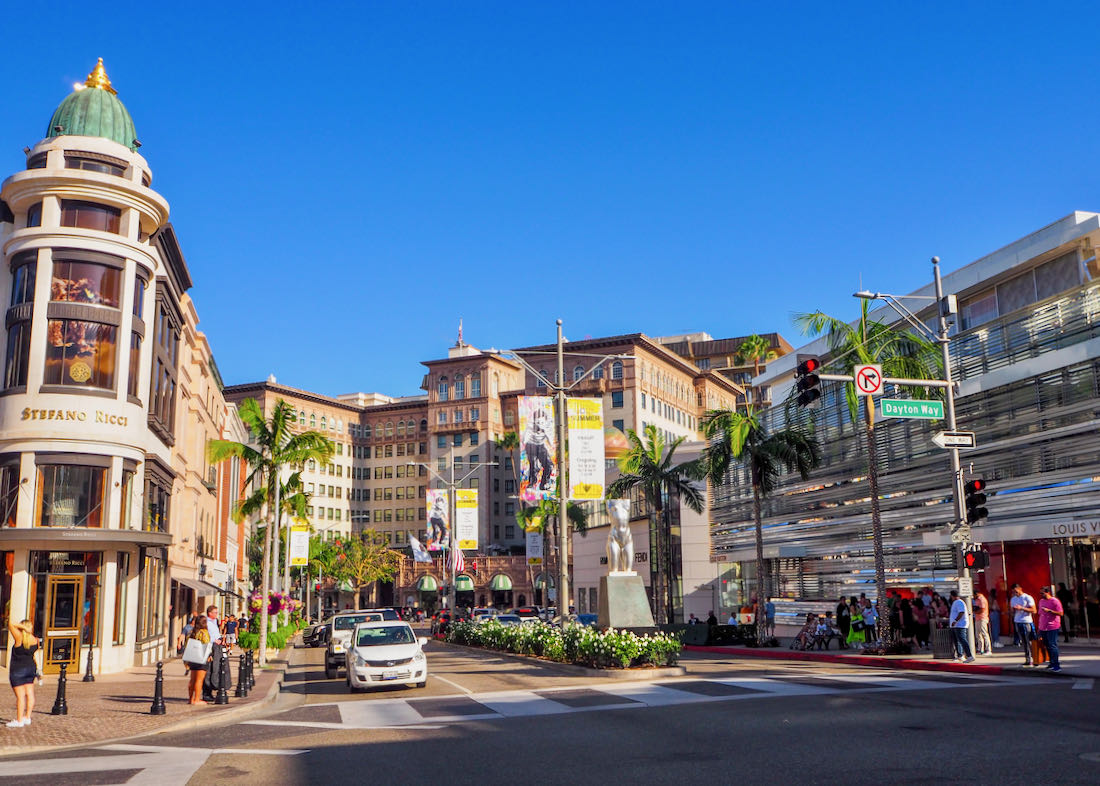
[
  {"x": 274, "y": 445},
  {"x": 648, "y": 465},
  {"x": 509, "y": 441},
  {"x": 752, "y": 350},
  {"x": 902, "y": 355},
  {"x": 733, "y": 435}
]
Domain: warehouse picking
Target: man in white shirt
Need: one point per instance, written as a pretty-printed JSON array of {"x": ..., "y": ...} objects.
[
  {"x": 960, "y": 625},
  {"x": 1023, "y": 606}
]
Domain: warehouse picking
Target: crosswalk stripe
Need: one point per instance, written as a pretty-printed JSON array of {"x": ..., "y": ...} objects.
[{"x": 1083, "y": 684}]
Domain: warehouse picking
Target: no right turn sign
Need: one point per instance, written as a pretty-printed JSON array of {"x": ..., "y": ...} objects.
[{"x": 868, "y": 380}]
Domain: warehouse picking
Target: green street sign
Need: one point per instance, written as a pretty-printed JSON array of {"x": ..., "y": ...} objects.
[{"x": 911, "y": 408}]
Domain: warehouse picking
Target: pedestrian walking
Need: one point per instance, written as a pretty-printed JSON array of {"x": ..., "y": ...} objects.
[
  {"x": 870, "y": 617},
  {"x": 22, "y": 671},
  {"x": 1050, "y": 624},
  {"x": 922, "y": 628},
  {"x": 196, "y": 653},
  {"x": 960, "y": 625},
  {"x": 1023, "y": 606},
  {"x": 981, "y": 625},
  {"x": 213, "y": 678},
  {"x": 229, "y": 632},
  {"x": 769, "y": 617}
]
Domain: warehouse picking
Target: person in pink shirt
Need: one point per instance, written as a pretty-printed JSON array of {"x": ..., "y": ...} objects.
[
  {"x": 981, "y": 625},
  {"x": 1050, "y": 624}
]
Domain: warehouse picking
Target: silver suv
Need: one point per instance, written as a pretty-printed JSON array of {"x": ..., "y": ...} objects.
[{"x": 341, "y": 628}]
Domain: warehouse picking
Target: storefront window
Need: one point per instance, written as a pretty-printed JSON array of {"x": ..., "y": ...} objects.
[
  {"x": 17, "y": 354},
  {"x": 9, "y": 492},
  {"x": 134, "y": 372},
  {"x": 126, "y": 509},
  {"x": 22, "y": 278},
  {"x": 157, "y": 498},
  {"x": 122, "y": 577},
  {"x": 70, "y": 496},
  {"x": 85, "y": 282},
  {"x": 151, "y": 594},
  {"x": 80, "y": 353},
  {"x": 89, "y": 215}
]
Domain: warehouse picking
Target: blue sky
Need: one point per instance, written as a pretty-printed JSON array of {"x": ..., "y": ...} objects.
[{"x": 349, "y": 180}]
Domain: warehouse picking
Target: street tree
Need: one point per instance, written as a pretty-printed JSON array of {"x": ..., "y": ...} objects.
[
  {"x": 275, "y": 444},
  {"x": 364, "y": 559},
  {"x": 734, "y": 436},
  {"x": 902, "y": 355},
  {"x": 649, "y": 465}
]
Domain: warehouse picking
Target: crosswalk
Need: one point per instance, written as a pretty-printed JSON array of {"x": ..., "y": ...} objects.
[{"x": 434, "y": 712}]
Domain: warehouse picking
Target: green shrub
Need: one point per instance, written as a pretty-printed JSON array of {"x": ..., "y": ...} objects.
[
  {"x": 582, "y": 646},
  {"x": 276, "y": 639}
]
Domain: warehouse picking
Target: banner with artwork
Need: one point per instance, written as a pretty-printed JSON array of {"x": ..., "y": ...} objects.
[
  {"x": 466, "y": 518},
  {"x": 586, "y": 459},
  {"x": 534, "y": 548},
  {"x": 439, "y": 520},
  {"x": 538, "y": 449},
  {"x": 299, "y": 545}
]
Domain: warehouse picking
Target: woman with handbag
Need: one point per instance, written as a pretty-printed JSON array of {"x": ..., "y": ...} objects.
[
  {"x": 195, "y": 653},
  {"x": 22, "y": 671}
]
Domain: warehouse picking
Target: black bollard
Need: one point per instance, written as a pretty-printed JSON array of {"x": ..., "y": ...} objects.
[
  {"x": 88, "y": 676},
  {"x": 158, "y": 707},
  {"x": 222, "y": 696},
  {"x": 251, "y": 669},
  {"x": 242, "y": 677},
  {"x": 60, "y": 706}
]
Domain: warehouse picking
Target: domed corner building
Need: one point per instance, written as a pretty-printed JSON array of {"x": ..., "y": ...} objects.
[{"x": 92, "y": 281}]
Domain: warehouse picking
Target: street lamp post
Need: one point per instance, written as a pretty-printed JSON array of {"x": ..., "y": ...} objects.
[
  {"x": 560, "y": 388},
  {"x": 945, "y": 307}
]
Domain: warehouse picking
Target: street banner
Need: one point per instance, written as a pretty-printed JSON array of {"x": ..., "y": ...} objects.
[
  {"x": 420, "y": 554},
  {"x": 439, "y": 520},
  {"x": 538, "y": 449},
  {"x": 586, "y": 458},
  {"x": 466, "y": 518},
  {"x": 534, "y": 548},
  {"x": 299, "y": 545}
]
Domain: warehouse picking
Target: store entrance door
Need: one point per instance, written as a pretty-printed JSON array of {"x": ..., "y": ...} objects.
[{"x": 64, "y": 603}]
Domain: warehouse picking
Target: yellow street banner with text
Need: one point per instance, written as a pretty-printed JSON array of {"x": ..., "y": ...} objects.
[
  {"x": 466, "y": 518},
  {"x": 586, "y": 455},
  {"x": 299, "y": 545}
]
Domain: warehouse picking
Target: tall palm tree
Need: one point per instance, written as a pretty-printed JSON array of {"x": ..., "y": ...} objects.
[
  {"x": 902, "y": 355},
  {"x": 509, "y": 442},
  {"x": 740, "y": 436},
  {"x": 649, "y": 465},
  {"x": 274, "y": 445},
  {"x": 754, "y": 349}
]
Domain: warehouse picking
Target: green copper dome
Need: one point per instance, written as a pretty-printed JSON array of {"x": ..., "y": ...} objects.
[{"x": 93, "y": 109}]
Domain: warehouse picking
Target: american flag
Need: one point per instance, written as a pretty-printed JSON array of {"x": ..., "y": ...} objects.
[{"x": 457, "y": 561}]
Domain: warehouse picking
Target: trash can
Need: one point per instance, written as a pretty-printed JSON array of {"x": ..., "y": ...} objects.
[{"x": 943, "y": 648}]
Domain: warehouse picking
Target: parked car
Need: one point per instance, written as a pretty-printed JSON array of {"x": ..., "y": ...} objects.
[
  {"x": 584, "y": 620},
  {"x": 343, "y": 625},
  {"x": 510, "y": 619},
  {"x": 386, "y": 652},
  {"x": 316, "y": 635},
  {"x": 389, "y": 615},
  {"x": 483, "y": 610},
  {"x": 527, "y": 611}
]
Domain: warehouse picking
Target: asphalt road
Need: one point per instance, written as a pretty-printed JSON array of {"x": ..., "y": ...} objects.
[{"x": 485, "y": 719}]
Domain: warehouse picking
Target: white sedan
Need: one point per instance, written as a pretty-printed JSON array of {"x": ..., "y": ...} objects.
[{"x": 381, "y": 653}]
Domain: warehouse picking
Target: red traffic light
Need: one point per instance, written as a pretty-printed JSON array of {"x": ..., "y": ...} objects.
[
  {"x": 974, "y": 486},
  {"x": 808, "y": 366},
  {"x": 976, "y": 559}
]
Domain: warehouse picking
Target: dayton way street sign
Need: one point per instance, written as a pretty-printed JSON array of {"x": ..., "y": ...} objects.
[
  {"x": 955, "y": 439},
  {"x": 915, "y": 408}
]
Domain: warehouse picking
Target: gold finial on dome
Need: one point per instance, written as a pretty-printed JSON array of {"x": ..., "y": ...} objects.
[{"x": 98, "y": 78}]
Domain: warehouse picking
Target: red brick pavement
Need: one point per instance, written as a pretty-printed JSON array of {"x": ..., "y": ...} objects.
[{"x": 117, "y": 706}]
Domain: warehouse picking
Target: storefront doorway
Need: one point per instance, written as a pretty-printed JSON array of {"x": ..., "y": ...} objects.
[{"x": 62, "y": 623}]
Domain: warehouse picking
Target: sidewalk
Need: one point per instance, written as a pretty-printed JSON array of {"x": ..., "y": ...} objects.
[
  {"x": 116, "y": 706},
  {"x": 1077, "y": 660}
]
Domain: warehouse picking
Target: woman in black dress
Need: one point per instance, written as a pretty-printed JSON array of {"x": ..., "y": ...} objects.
[
  {"x": 843, "y": 621},
  {"x": 22, "y": 671}
]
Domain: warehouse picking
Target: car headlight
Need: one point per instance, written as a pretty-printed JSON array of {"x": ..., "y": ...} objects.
[
  {"x": 337, "y": 647},
  {"x": 360, "y": 661},
  {"x": 419, "y": 656}
]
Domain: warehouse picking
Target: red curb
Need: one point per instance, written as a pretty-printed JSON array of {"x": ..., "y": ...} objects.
[{"x": 854, "y": 660}]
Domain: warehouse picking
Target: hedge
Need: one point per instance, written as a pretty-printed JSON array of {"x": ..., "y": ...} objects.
[
  {"x": 583, "y": 646},
  {"x": 276, "y": 639}
]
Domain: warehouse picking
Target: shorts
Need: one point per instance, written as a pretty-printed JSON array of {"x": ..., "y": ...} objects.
[
  {"x": 230, "y": 638},
  {"x": 195, "y": 666}
]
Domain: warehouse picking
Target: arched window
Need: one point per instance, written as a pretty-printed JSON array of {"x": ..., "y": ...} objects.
[
  {"x": 475, "y": 385},
  {"x": 301, "y": 417},
  {"x": 617, "y": 370},
  {"x": 389, "y": 428},
  {"x": 578, "y": 372},
  {"x": 366, "y": 431},
  {"x": 323, "y": 422},
  {"x": 312, "y": 420},
  {"x": 495, "y": 385},
  {"x": 460, "y": 386},
  {"x": 423, "y": 425},
  {"x": 312, "y": 465},
  {"x": 598, "y": 373},
  {"x": 400, "y": 428},
  {"x": 443, "y": 388}
]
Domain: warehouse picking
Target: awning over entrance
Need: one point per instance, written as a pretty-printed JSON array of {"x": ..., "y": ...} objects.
[
  {"x": 500, "y": 583},
  {"x": 199, "y": 586},
  {"x": 540, "y": 581},
  {"x": 86, "y": 537},
  {"x": 427, "y": 584},
  {"x": 464, "y": 584}
]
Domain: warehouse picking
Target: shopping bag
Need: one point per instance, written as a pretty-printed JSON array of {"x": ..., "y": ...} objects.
[{"x": 195, "y": 651}]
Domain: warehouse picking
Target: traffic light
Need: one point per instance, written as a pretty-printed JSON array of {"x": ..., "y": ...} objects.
[
  {"x": 976, "y": 559},
  {"x": 317, "y": 587},
  {"x": 472, "y": 565},
  {"x": 807, "y": 381},
  {"x": 975, "y": 501}
]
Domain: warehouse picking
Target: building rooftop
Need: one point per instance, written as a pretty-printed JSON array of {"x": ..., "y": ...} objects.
[{"x": 94, "y": 109}]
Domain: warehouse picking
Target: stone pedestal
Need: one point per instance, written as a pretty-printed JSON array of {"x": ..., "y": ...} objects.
[{"x": 623, "y": 602}]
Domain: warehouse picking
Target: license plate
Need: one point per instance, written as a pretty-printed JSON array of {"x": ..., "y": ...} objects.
[{"x": 392, "y": 674}]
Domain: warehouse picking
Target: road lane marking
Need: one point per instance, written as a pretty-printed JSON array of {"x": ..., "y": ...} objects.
[
  {"x": 1083, "y": 684},
  {"x": 465, "y": 690}
]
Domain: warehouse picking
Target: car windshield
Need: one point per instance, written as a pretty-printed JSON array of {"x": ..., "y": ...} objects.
[
  {"x": 508, "y": 618},
  {"x": 393, "y": 634},
  {"x": 349, "y": 621}
]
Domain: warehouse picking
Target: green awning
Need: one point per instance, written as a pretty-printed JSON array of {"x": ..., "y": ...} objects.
[
  {"x": 464, "y": 584},
  {"x": 500, "y": 583},
  {"x": 540, "y": 581},
  {"x": 427, "y": 584}
]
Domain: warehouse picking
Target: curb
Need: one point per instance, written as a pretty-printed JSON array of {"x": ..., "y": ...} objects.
[
  {"x": 876, "y": 661},
  {"x": 214, "y": 719},
  {"x": 580, "y": 671}
]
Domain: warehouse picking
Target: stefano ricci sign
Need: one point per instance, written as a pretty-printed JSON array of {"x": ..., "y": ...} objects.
[{"x": 74, "y": 416}]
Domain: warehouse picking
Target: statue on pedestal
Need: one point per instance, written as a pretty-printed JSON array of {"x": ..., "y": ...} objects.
[{"x": 620, "y": 541}]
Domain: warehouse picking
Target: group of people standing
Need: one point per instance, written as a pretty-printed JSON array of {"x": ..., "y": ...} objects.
[
  {"x": 856, "y": 619},
  {"x": 201, "y": 644}
]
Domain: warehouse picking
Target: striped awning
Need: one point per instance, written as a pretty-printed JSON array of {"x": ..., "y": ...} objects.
[
  {"x": 540, "y": 581},
  {"x": 500, "y": 583},
  {"x": 427, "y": 584},
  {"x": 464, "y": 584}
]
